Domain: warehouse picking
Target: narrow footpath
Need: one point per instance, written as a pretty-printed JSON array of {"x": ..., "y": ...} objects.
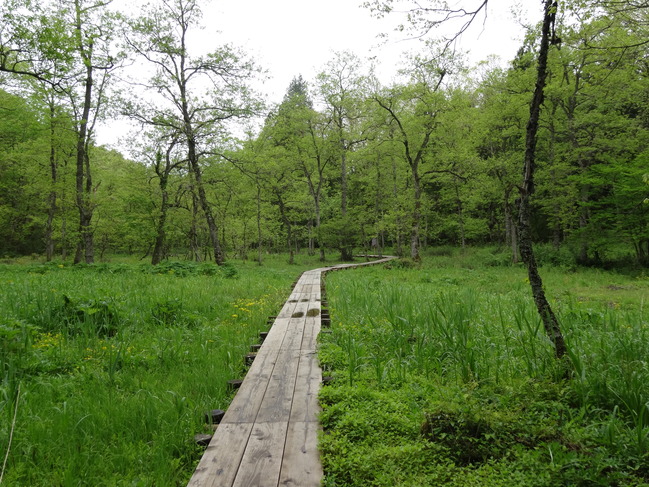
[{"x": 268, "y": 436}]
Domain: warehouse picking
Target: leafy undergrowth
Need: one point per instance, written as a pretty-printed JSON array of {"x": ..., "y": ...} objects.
[
  {"x": 443, "y": 377},
  {"x": 424, "y": 434}
]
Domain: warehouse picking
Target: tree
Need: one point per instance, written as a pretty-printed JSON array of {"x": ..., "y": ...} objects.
[
  {"x": 22, "y": 138},
  {"x": 191, "y": 96},
  {"x": 69, "y": 45},
  {"x": 342, "y": 88},
  {"x": 504, "y": 98},
  {"x": 423, "y": 18},
  {"x": 413, "y": 109},
  {"x": 598, "y": 130},
  {"x": 301, "y": 131},
  {"x": 159, "y": 152},
  {"x": 550, "y": 321}
]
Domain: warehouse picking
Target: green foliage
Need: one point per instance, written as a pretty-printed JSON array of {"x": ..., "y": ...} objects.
[
  {"x": 16, "y": 339},
  {"x": 437, "y": 153},
  {"x": 86, "y": 316},
  {"x": 187, "y": 268}
]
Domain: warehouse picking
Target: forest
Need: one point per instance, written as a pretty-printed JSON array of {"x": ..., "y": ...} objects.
[{"x": 344, "y": 163}]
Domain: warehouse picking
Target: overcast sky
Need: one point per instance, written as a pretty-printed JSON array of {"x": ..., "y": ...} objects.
[{"x": 293, "y": 37}]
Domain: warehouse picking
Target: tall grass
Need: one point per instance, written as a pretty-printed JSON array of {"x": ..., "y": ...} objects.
[
  {"x": 456, "y": 329},
  {"x": 109, "y": 369}
]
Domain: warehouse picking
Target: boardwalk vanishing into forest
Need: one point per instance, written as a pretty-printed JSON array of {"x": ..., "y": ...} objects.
[{"x": 268, "y": 436}]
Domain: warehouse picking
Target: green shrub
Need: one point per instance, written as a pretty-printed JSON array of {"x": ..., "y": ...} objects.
[{"x": 89, "y": 316}]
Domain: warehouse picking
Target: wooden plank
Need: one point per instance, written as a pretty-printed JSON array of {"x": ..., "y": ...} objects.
[
  {"x": 262, "y": 460},
  {"x": 276, "y": 334},
  {"x": 302, "y": 306},
  {"x": 278, "y": 397},
  {"x": 220, "y": 462},
  {"x": 310, "y": 288},
  {"x": 301, "y": 466},
  {"x": 294, "y": 334},
  {"x": 289, "y": 306},
  {"x": 310, "y": 335},
  {"x": 245, "y": 405},
  {"x": 305, "y": 407}
]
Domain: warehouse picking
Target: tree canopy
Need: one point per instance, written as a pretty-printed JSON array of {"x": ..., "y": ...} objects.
[{"x": 344, "y": 162}]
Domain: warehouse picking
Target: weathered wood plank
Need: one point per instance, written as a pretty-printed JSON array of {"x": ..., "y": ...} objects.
[
  {"x": 262, "y": 460},
  {"x": 294, "y": 334},
  {"x": 310, "y": 335},
  {"x": 278, "y": 397},
  {"x": 276, "y": 334},
  {"x": 220, "y": 462},
  {"x": 247, "y": 401},
  {"x": 301, "y": 465},
  {"x": 305, "y": 406}
]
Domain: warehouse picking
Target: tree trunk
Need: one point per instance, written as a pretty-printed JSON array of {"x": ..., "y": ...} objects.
[
  {"x": 51, "y": 211},
  {"x": 195, "y": 168},
  {"x": 158, "y": 249},
  {"x": 259, "y": 259},
  {"x": 395, "y": 194},
  {"x": 346, "y": 251},
  {"x": 311, "y": 244},
  {"x": 207, "y": 209},
  {"x": 510, "y": 230},
  {"x": 460, "y": 217},
  {"x": 318, "y": 222},
  {"x": 416, "y": 216},
  {"x": 548, "y": 317},
  {"x": 289, "y": 228},
  {"x": 85, "y": 247},
  {"x": 64, "y": 227},
  {"x": 194, "y": 246}
]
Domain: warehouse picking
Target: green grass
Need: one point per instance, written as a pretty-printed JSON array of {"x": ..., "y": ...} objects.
[
  {"x": 443, "y": 376},
  {"x": 107, "y": 370}
]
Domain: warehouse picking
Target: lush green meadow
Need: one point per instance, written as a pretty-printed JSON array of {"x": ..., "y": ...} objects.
[
  {"x": 107, "y": 370},
  {"x": 443, "y": 376},
  {"x": 442, "y": 373}
]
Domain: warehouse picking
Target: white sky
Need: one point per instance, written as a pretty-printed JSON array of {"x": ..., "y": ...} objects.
[{"x": 293, "y": 37}]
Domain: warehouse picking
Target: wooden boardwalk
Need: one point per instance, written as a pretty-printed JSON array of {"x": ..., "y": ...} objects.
[{"x": 268, "y": 436}]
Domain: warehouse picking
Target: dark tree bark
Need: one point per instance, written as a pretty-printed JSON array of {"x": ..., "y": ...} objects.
[
  {"x": 259, "y": 235},
  {"x": 289, "y": 228},
  {"x": 195, "y": 168},
  {"x": 163, "y": 167},
  {"x": 194, "y": 245},
  {"x": 52, "y": 198},
  {"x": 550, "y": 321},
  {"x": 85, "y": 246}
]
